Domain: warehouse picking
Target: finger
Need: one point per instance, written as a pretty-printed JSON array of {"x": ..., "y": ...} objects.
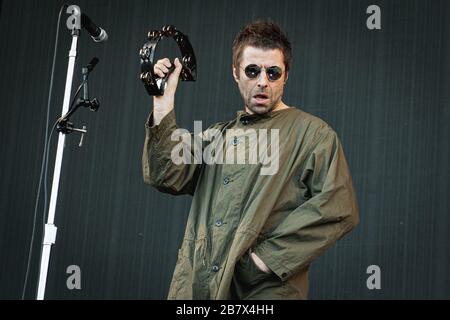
[
  {"x": 157, "y": 70},
  {"x": 159, "y": 73},
  {"x": 178, "y": 66},
  {"x": 172, "y": 82},
  {"x": 162, "y": 67},
  {"x": 166, "y": 62}
]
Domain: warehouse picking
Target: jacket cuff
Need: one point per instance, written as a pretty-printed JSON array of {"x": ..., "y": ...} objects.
[{"x": 166, "y": 123}]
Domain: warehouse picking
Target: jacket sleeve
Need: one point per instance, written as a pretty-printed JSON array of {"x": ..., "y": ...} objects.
[
  {"x": 158, "y": 168},
  {"x": 315, "y": 225}
]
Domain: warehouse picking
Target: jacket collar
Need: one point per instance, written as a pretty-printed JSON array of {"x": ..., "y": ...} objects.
[{"x": 244, "y": 116}]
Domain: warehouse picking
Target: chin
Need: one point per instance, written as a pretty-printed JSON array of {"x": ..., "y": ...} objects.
[{"x": 260, "y": 109}]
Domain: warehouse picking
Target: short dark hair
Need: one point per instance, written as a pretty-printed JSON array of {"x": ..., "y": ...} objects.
[{"x": 263, "y": 34}]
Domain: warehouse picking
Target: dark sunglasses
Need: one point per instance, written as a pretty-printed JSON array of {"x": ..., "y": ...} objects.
[{"x": 252, "y": 71}]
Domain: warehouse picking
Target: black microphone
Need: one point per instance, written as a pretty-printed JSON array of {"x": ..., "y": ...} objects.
[
  {"x": 97, "y": 33},
  {"x": 93, "y": 104},
  {"x": 85, "y": 71},
  {"x": 92, "y": 64}
]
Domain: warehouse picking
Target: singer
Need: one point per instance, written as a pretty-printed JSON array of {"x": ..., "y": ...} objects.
[{"x": 253, "y": 236}]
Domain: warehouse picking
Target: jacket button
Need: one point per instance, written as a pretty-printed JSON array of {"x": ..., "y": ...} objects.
[
  {"x": 219, "y": 222},
  {"x": 235, "y": 141},
  {"x": 215, "y": 268},
  {"x": 226, "y": 180}
]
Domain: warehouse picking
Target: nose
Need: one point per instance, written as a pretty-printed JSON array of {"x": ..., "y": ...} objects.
[{"x": 262, "y": 79}]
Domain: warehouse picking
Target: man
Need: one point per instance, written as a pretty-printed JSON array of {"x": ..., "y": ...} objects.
[{"x": 249, "y": 235}]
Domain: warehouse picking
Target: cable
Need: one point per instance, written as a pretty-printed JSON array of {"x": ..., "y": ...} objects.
[
  {"x": 75, "y": 96},
  {"x": 44, "y": 156},
  {"x": 44, "y": 213}
]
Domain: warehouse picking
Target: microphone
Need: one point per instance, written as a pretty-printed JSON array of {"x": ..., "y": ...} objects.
[
  {"x": 97, "y": 33},
  {"x": 92, "y": 64},
  {"x": 85, "y": 71}
]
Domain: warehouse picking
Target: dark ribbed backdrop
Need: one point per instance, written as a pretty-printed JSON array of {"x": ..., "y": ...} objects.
[{"x": 386, "y": 93}]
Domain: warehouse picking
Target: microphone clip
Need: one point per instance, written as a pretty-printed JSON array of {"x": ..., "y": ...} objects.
[{"x": 63, "y": 125}]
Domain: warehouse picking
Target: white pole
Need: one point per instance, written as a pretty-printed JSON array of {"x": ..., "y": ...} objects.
[{"x": 50, "y": 229}]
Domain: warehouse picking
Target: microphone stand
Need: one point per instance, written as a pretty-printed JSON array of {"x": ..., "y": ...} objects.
[
  {"x": 63, "y": 127},
  {"x": 50, "y": 228}
]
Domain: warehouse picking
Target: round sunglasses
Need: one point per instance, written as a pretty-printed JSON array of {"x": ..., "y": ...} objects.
[{"x": 252, "y": 71}]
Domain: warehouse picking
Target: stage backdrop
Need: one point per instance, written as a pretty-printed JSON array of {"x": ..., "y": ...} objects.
[{"x": 385, "y": 91}]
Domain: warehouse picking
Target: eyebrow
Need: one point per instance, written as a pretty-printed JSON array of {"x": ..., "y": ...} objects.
[{"x": 261, "y": 66}]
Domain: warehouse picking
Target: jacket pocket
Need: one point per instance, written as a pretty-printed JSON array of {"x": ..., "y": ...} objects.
[{"x": 247, "y": 272}]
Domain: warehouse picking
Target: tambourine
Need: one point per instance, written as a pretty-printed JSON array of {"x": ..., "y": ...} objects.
[{"x": 153, "y": 84}]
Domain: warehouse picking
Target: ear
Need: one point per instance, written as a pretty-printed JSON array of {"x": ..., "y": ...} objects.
[{"x": 235, "y": 75}]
